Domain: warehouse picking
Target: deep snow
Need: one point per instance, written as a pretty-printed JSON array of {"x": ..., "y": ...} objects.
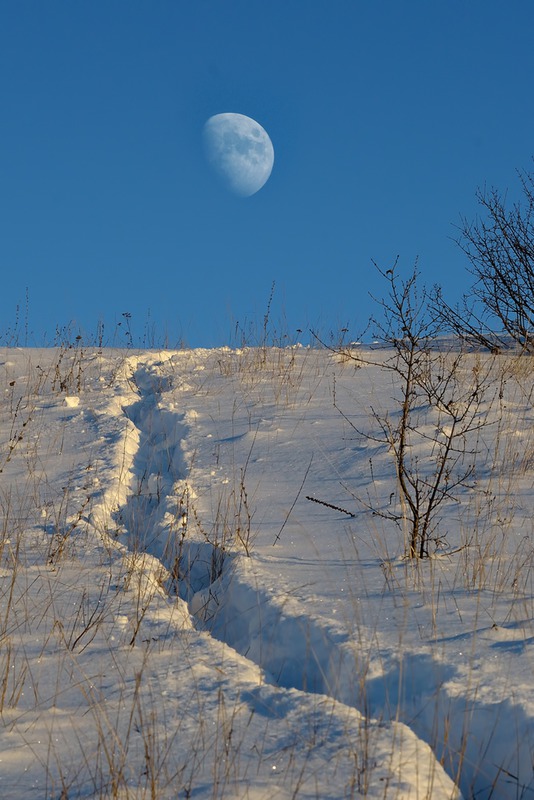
[{"x": 178, "y": 619}]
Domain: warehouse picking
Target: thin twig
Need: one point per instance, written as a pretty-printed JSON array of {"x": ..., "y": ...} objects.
[
  {"x": 294, "y": 502},
  {"x": 329, "y": 505}
]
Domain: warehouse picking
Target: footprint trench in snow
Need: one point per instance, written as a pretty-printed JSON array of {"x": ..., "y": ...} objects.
[
  {"x": 228, "y": 599},
  {"x": 153, "y": 516}
]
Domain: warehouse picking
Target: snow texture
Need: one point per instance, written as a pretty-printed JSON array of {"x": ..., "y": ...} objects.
[{"x": 178, "y": 620}]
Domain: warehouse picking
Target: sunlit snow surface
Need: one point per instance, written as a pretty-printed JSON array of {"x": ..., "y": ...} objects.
[{"x": 178, "y": 619}]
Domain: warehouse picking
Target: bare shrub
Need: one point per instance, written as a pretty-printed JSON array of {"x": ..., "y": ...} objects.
[{"x": 432, "y": 438}]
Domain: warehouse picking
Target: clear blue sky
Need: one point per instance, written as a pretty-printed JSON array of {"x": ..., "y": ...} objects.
[{"x": 385, "y": 118}]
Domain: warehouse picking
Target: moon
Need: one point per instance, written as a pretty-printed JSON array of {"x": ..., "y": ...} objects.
[{"x": 240, "y": 152}]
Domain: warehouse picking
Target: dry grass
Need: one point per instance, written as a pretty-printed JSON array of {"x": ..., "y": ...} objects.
[{"x": 129, "y": 744}]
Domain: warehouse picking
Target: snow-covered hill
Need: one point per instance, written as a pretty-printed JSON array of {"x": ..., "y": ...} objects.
[{"x": 204, "y": 591}]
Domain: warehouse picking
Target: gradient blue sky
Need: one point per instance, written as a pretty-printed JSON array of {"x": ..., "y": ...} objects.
[{"x": 385, "y": 118}]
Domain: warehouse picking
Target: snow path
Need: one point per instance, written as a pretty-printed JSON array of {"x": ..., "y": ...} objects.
[
  {"x": 229, "y": 596},
  {"x": 322, "y": 667}
]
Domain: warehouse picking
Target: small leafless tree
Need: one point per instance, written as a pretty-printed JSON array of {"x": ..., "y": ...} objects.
[
  {"x": 432, "y": 436},
  {"x": 500, "y": 248}
]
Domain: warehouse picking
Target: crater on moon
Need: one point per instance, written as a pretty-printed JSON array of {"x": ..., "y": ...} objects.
[{"x": 240, "y": 152}]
